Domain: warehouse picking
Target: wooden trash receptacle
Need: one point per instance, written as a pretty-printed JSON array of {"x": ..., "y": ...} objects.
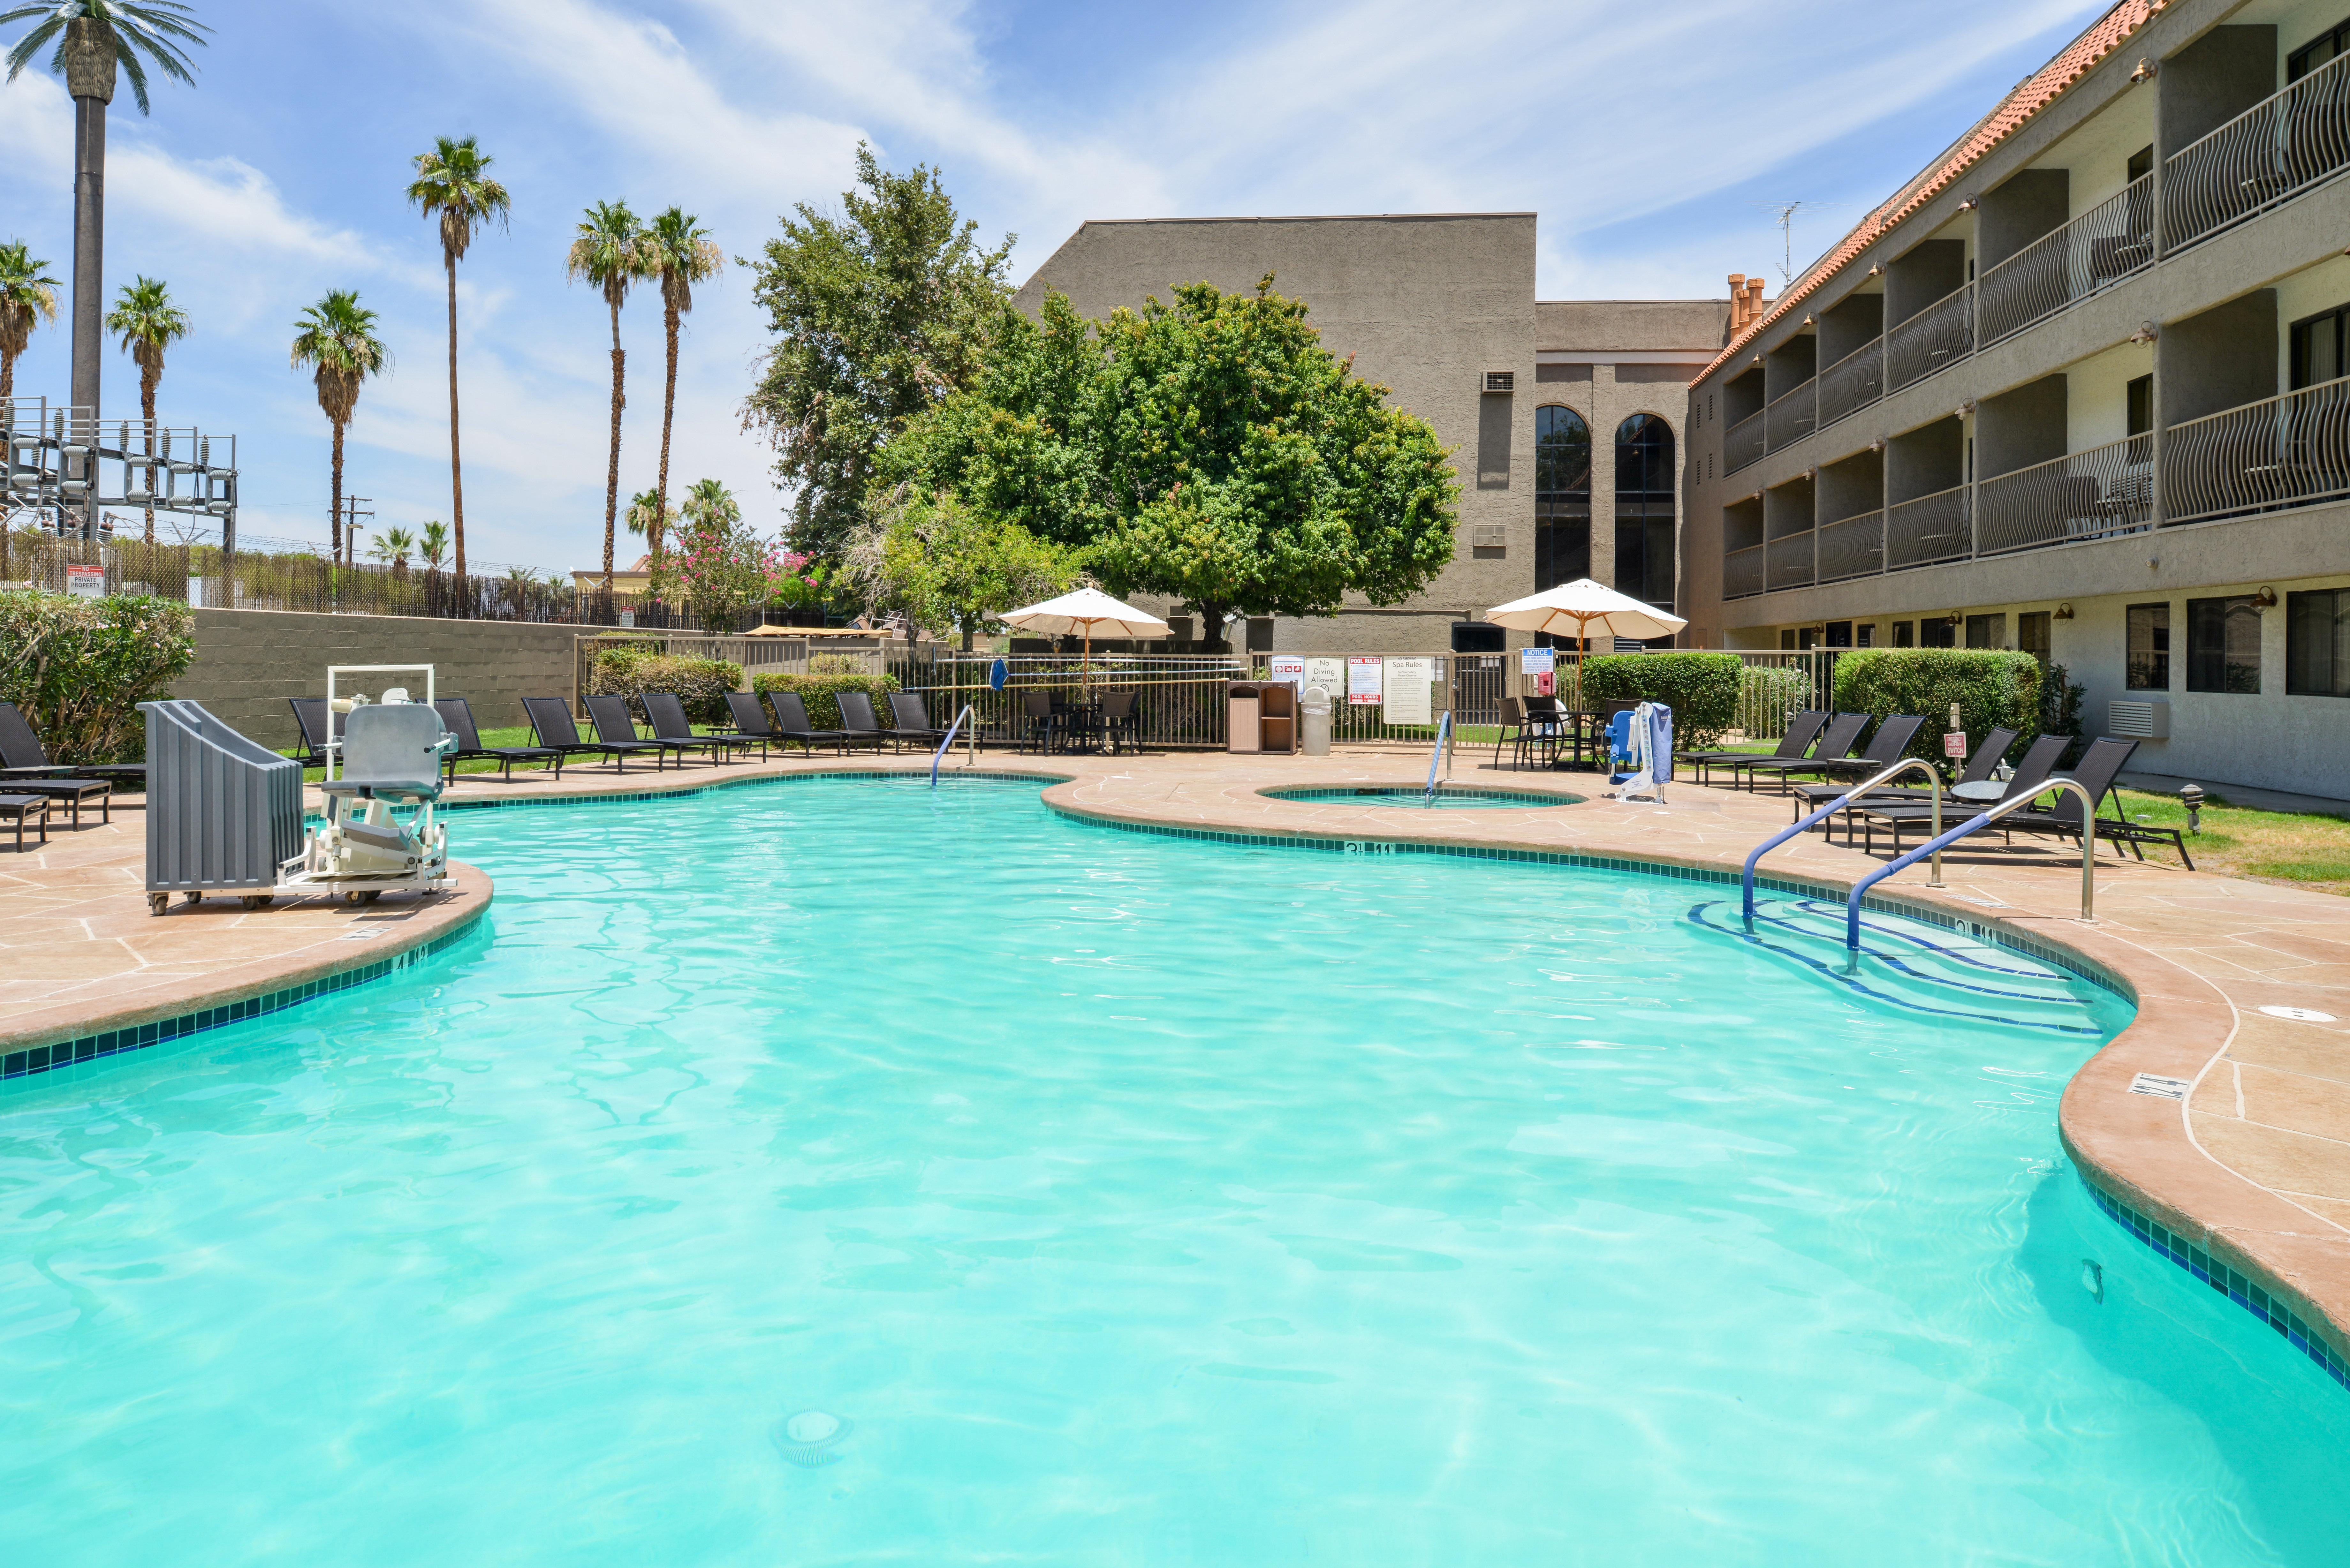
[
  {"x": 1277, "y": 717},
  {"x": 1244, "y": 702}
]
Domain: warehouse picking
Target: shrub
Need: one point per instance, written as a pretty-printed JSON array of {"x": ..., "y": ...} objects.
[
  {"x": 817, "y": 691},
  {"x": 701, "y": 683},
  {"x": 78, "y": 669},
  {"x": 1990, "y": 688},
  {"x": 2061, "y": 698},
  {"x": 1701, "y": 689}
]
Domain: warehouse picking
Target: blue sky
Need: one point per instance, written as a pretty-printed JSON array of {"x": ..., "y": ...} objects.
[{"x": 1650, "y": 139}]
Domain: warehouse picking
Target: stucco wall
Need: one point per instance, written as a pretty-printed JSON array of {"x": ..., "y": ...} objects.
[{"x": 248, "y": 662}]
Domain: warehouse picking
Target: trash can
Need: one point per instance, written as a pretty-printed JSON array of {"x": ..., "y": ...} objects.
[
  {"x": 1242, "y": 705},
  {"x": 1314, "y": 723}
]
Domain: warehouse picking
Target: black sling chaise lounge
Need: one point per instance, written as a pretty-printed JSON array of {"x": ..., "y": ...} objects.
[
  {"x": 616, "y": 732},
  {"x": 2100, "y": 767},
  {"x": 1840, "y": 739},
  {"x": 1884, "y": 749},
  {"x": 1801, "y": 729},
  {"x": 911, "y": 722},
  {"x": 672, "y": 728},
  {"x": 1980, "y": 767},
  {"x": 2030, "y": 777},
  {"x": 553, "y": 727},
  {"x": 457, "y": 717},
  {"x": 858, "y": 722},
  {"x": 792, "y": 723},
  {"x": 752, "y": 727}
]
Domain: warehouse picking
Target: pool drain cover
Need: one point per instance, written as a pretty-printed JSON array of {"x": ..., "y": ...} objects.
[{"x": 812, "y": 1437}]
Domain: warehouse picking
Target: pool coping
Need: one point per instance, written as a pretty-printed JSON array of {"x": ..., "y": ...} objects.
[{"x": 2135, "y": 1151}]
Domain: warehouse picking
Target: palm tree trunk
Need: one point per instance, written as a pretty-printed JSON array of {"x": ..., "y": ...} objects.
[
  {"x": 337, "y": 491},
  {"x": 612, "y": 470},
  {"x": 147, "y": 384},
  {"x": 456, "y": 468},
  {"x": 7, "y": 376},
  {"x": 668, "y": 411}
]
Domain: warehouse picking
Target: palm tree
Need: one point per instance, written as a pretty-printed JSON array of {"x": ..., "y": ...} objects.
[
  {"x": 711, "y": 502},
  {"x": 89, "y": 50},
  {"x": 646, "y": 516},
  {"x": 680, "y": 255},
  {"x": 148, "y": 323},
  {"x": 28, "y": 297},
  {"x": 520, "y": 581},
  {"x": 393, "y": 544},
  {"x": 452, "y": 184},
  {"x": 337, "y": 336},
  {"x": 608, "y": 251},
  {"x": 434, "y": 546}
]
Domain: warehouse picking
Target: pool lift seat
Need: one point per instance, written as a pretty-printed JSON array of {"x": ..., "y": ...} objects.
[{"x": 391, "y": 755}]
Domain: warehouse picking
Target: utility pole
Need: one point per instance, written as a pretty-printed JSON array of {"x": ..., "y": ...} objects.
[{"x": 351, "y": 517}]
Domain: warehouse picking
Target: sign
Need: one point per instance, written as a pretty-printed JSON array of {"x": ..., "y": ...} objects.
[
  {"x": 1407, "y": 698},
  {"x": 1537, "y": 660},
  {"x": 1289, "y": 667},
  {"x": 1954, "y": 745},
  {"x": 86, "y": 582},
  {"x": 1329, "y": 674},
  {"x": 196, "y": 593},
  {"x": 1546, "y": 683},
  {"x": 1364, "y": 674}
]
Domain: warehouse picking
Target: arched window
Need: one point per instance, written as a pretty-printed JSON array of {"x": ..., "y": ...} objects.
[
  {"x": 1562, "y": 497},
  {"x": 1643, "y": 509}
]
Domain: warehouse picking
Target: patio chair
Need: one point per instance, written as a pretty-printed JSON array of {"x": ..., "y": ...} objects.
[
  {"x": 318, "y": 724},
  {"x": 858, "y": 722},
  {"x": 617, "y": 737},
  {"x": 909, "y": 719},
  {"x": 752, "y": 727},
  {"x": 1801, "y": 729},
  {"x": 1121, "y": 720},
  {"x": 1838, "y": 740},
  {"x": 457, "y": 717},
  {"x": 21, "y": 808},
  {"x": 672, "y": 728},
  {"x": 23, "y": 756},
  {"x": 1979, "y": 769},
  {"x": 1042, "y": 731},
  {"x": 2030, "y": 777},
  {"x": 1545, "y": 727},
  {"x": 792, "y": 723}
]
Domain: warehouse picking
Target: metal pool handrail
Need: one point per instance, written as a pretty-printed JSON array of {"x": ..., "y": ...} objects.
[
  {"x": 1436, "y": 753},
  {"x": 1933, "y": 779},
  {"x": 2088, "y": 856},
  {"x": 940, "y": 755}
]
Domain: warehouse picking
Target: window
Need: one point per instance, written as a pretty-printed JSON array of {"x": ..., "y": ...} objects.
[
  {"x": 2223, "y": 645},
  {"x": 2149, "y": 647},
  {"x": 2317, "y": 643},
  {"x": 2032, "y": 634},
  {"x": 1644, "y": 510},
  {"x": 1987, "y": 630},
  {"x": 1839, "y": 634},
  {"x": 1868, "y": 636},
  {"x": 1901, "y": 635},
  {"x": 2327, "y": 45},
  {"x": 1562, "y": 497},
  {"x": 1787, "y": 641},
  {"x": 1937, "y": 633},
  {"x": 2141, "y": 163},
  {"x": 2317, "y": 347},
  {"x": 2141, "y": 393}
]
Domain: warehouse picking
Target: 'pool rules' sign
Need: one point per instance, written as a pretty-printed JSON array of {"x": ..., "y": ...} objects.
[
  {"x": 1407, "y": 699},
  {"x": 1363, "y": 673}
]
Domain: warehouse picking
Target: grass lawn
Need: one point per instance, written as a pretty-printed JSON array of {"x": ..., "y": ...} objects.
[{"x": 2307, "y": 851}]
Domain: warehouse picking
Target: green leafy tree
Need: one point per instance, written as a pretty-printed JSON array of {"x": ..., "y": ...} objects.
[
  {"x": 950, "y": 568},
  {"x": 723, "y": 568},
  {"x": 679, "y": 255},
  {"x": 452, "y": 184},
  {"x": 336, "y": 337},
  {"x": 608, "y": 251},
  {"x": 28, "y": 297},
  {"x": 148, "y": 323},
  {"x": 877, "y": 314}
]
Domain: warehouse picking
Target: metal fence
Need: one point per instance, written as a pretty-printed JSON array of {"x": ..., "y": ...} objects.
[
  {"x": 1180, "y": 701},
  {"x": 2093, "y": 494},
  {"x": 1853, "y": 382},
  {"x": 1791, "y": 415},
  {"x": 2109, "y": 242},
  {"x": 2269, "y": 152},
  {"x": 2281, "y": 452},
  {"x": 1935, "y": 338},
  {"x": 1927, "y": 528},
  {"x": 1742, "y": 442},
  {"x": 1852, "y": 547}
]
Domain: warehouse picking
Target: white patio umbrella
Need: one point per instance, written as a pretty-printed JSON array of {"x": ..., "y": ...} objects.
[
  {"x": 1084, "y": 612},
  {"x": 1576, "y": 609}
]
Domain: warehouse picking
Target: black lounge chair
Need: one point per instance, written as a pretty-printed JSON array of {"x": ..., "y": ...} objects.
[
  {"x": 17, "y": 808},
  {"x": 615, "y": 734},
  {"x": 555, "y": 729},
  {"x": 909, "y": 719},
  {"x": 457, "y": 717},
  {"x": 1801, "y": 729},
  {"x": 1839, "y": 740},
  {"x": 751, "y": 725},
  {"x": 1980, "y": 767},
  {"x": 858, "y": 722},
  {"x": 1885, "y": 749},
  {"x": 672, "y": 728},
  {"x": 792, "y": 723},
  {"x": 22, "y": 756},
  {"x": 2030, "y": 777},
  {"x": 2099, "y": 766}
]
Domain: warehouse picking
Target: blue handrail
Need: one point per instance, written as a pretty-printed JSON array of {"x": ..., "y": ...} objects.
[
  {"x": 1942, "y": 840},
  {"x": 1895, "y": 770},
  {"x": 1436, "y": 755},
  {"x": 941, "y": 755}
]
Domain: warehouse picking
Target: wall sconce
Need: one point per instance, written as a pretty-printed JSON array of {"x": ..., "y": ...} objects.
[
  {"x": 1807, "y": 321},
  {"x": 1964, "y": 410},
  {"x": 2063, "y": 612},
  {"x": 1957, "y": 618},
  {"x": 2149, "y": 331},
  {"x": 1877, "y": 272},
  {"x": 1968, "y": 206},
  {"x": 1877, "y": 445},
  {"x": 2145, "y": 72},
  {"x": 1813, "y": 474},
  {"x": 2265, "y": 599}
]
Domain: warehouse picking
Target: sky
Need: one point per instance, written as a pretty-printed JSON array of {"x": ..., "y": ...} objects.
[{"x": 1654, "y": 142}]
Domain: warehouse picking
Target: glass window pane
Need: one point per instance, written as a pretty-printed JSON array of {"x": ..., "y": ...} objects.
[
  {"x": 2317, "y": 644},
  {"x": 2149, "y": 647},
  {"x": 2223, "y": 645}
]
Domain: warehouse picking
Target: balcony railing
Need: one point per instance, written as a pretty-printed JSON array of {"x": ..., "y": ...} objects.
[
  {"x": 1853, "y": 382},
  {"x": 1852, "y": 547},
  {"x": 1790, "y": 561},
  {"x": 1929, "y": 529},
  {"x": 2265, "y": 456},
  {"x": 1742, "y": 443},
  {"x": 1742, "y": 573},
  {"x": 1934, "y": 339},
  {"x": 1791, "y": 416},
  {"x": 2095, "y": 494},
  {"x": 2111, "y": 240},
  {"x": 2270, "y": 154}
]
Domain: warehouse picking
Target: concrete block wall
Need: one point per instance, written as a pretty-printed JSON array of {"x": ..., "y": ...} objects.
[{"x": 248, "y": 662}]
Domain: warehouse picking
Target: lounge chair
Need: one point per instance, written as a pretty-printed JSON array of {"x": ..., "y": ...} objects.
[
  {"x": 1837, "y": 740},
  {"x": 457, "y": 717},
  {"x": 616, "y": 735},
  {"x": 310, "y": 713},
  {"x": 857, "y": 720},
  {"x": 792, "y": 723},
  {"x": 1801, "y": 729},
  {"x": 22, "y": 756},
  {"x": 1980, "y": 767},
  {"x": 672, "y": 728},
  {"x": 911, "y": 719},
  {"x": 19, "y": 808},
  {"x": 554, "y": 728},
  {"x": 67, "y": 791},
  {"x": 2099, "y": 766},
  {"x": 751, "y": 725},
  {"x": 1885, "y": 749},
  {"x": 2030, "y": 777}
]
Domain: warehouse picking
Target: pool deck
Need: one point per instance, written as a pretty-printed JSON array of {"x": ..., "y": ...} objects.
[{"x": 2253, "y": 1166}]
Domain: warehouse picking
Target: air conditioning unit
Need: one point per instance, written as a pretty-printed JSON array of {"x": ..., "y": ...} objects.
[
  {"x": 2138, "y": 720},
  {"x": 1501, "y": 380},
  {"x": 1489, "y": 537}
]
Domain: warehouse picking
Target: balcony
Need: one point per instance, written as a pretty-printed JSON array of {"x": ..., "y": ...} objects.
[
  {"x": 2281, "y": 453},
  {"x": 1934, "y": 339},
  {"x": 1852, "y": 547},
  {"x": 1742, "y": 442},
  {"x": 2107, "y": 242},
  {"x": 1742, "y": 573},
  {"x": 1789, "y": 561},
  {"x": 1853, "y": 382},
  {"x": 1929, "y": 529},
  {"x": 2266, "y": 155},
  {"x": 2096, "y": 495},
  {"x": 1790, "y": 417}
]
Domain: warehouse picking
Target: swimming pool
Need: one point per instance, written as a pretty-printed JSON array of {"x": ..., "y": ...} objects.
[
  {"x": 834, "y": 1171},
  {"x": 1448, "y": 798}
]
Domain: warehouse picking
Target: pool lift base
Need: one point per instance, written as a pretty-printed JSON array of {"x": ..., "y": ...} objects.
[{"x": 360, "y": 850}]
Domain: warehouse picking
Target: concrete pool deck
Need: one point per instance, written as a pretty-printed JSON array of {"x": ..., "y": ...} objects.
[{"x": 2252, "y": 1166}]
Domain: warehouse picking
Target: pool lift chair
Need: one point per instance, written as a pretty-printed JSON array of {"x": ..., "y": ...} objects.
[{"x": 391, "y": 752}]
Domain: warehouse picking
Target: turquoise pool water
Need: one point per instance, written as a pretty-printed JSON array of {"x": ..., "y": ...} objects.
[
  {"x": 1445, "y": 798},
  {"x": 843, "y": 1173}
]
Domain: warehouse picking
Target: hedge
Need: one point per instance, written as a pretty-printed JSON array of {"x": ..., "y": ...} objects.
[
  {"x": 77, "y": 668},
  {"x": 1701, "y": 689},
  {"x": 701, "y": 683},
  {"x": 817, "y": 693},
  {"x": 1991, "y": 689}
]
